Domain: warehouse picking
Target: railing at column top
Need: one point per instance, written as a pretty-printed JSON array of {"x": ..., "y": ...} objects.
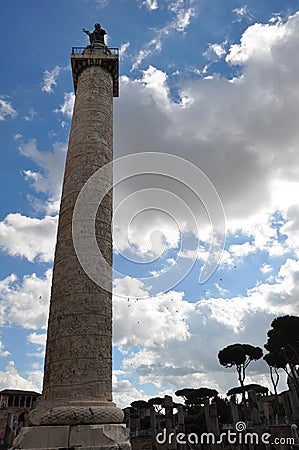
[{"x": 114, "y": 51}]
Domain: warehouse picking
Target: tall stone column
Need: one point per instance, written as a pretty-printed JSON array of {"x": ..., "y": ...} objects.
[{"x": 77, "y": 391}]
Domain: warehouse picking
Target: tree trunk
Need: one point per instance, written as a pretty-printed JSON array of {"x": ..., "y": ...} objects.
[{"x": 241, "y": 377}]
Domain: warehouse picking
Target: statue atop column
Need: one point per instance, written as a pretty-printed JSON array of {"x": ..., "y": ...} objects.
[{"x": 97, "y": 35}]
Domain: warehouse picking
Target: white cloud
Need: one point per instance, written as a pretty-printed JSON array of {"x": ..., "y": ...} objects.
[
  {"x": 3, "y": 353},
  {"x": 148, "y": 235},
  {"x": 6, "y": 110},
  {"x": 124, "y": 393},
  {"x": 156, "y": 81},
  {"x": 33, "y": 239},
  {"x": 258, "y": 41},
  {"x": 215, "y": 51},
  {"x": 182, "y": 16},
  {"x": 68, "y": 105},
  {"x": 123, "y": 49},
  {"x": 11, "y": 379},
  {"x": 37, "y": 338},
  {"x": 242, "y": 12},
  {"x": 222, "y": 291},
  {"x": 291, "y": 228},
  {"x": 50, "y": 79},
  {"x": 266, "y": 268},
  {"x": 129, "y": 287},
  {"x": 151, "y": 5},
  {"x": 242, "y": 132},
  {"x": 169, "y": 263},
  {"x": 49, "y": 179},
  {"x": 149, "y": 321},
  {"x": 30, "y": 116},
  {"x": 154, "y": 45},
  {"x": 17, "y": 136},
  {"x": 25, "y": 303},
  {"x": 183, "y": 19},
  {"x": 166, "y": 359},
  {"x": 259, "y": 234},
  {"x": 166, "y": 340}
]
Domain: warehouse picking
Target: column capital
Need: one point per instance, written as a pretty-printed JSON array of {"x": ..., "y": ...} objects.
[{"x": 96, "y": 54}]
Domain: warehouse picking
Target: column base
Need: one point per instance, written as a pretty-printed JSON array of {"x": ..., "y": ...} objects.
[
  {"x": 75, "y": 437},
  {"x": 71, "y": 413}
]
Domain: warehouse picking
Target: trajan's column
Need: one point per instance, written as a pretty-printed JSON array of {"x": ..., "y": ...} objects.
[{"x": 76, "y": 409}]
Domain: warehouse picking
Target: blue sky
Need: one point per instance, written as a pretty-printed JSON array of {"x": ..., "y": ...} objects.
[{"x": 214, "y": 83}]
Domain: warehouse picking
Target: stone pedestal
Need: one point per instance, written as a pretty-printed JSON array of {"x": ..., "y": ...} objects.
[{"x": 83, "y": 437}]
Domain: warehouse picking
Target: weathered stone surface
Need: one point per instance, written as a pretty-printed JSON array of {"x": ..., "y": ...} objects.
[
  {"x": 93, "y": 56},
  {"x": 72, "y": 413},
  {"x": 42, "y": 437},
  {"x": 100, "y": 436},
  {"x": 78, "y": 357},
  {"x": 106, "y": 436}
]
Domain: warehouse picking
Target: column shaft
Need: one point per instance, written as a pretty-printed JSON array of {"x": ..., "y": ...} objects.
[{"x": 78, "y": 355}]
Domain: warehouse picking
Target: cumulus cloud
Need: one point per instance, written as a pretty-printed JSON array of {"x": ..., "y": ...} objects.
[
  {"x": 49, "y": 179},
  {"x": 216, "y": 51},
  {"x": 189, "y": 357},
  {"x": 257, "y": 42},
  {"x": 242, "y": 13},
  {"x": 241, "y": 132},
  {"x": 149, "y": 234},
  {"x": 69, "y": 99},
  {"x": 27, "y": 237},
  {"x": 259, "y": 234},
  {"x": 240, "y": 165},
  {"x": 50, "y": 79},
  {"x": 291, "y": 228},
  {"x": 143, "y": 328},
  {"x": 167, "y": 340},
  {"x": 6, "y": 110},
  {"x": 25, "y": 302},
  {"x": 3, "y": 352},
  {"x": 11, "y": 379},
  {"x": 151, "y": 5},
  {"x": 123, "y": 390},
  {"x": 266, "y": 268},
  {"x": 37, "y": 338}
]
